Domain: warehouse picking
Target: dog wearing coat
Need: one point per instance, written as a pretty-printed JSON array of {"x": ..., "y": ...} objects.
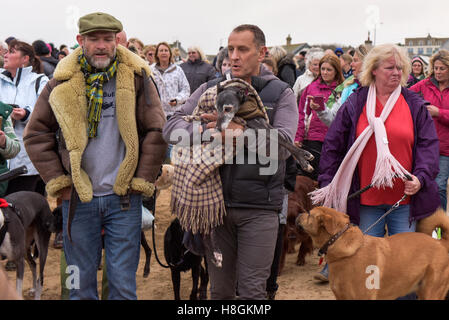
[
  {"x": 28, "y": 220},
  {"x": 371, "y": 268}
]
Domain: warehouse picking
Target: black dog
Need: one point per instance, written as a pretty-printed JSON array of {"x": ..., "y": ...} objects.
[
  {"x": 26, "y": 220},
  {"x": 181, "y": 260}
]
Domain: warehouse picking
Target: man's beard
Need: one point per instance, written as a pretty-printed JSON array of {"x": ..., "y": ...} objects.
[{"x": 100, "y": 63}]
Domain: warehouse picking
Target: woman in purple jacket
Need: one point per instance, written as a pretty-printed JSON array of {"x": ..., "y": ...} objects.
[
  {"x": 381, "y": 135},
  {"x": 342, "y": 134},
  {"x": 311, "y": 130}
]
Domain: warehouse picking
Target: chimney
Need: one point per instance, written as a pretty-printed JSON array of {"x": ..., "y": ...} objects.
[{"x": 289, "y": 40}]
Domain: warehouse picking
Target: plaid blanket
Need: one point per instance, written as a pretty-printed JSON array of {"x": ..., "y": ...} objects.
[{"x": 197, "y": 194}]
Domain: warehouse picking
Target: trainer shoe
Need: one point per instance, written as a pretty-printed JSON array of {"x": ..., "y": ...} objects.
[{"x": 323, "y": 275}]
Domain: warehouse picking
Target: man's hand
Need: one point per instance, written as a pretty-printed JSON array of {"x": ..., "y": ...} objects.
[
  {"x": 2, "y": 140},
  {"x": 18, "y": 113},
  {"x": 434, "y": 111},
  {"x": 412, "y": 187},
  {"x": 237, "y": 129},
  {"x": 173, "y": 103}
]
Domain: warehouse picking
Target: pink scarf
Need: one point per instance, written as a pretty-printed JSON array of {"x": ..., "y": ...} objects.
[{"x": 387, "y": 167}]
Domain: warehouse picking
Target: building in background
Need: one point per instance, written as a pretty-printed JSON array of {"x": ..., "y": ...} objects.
[{"x": 424, "y": 46}]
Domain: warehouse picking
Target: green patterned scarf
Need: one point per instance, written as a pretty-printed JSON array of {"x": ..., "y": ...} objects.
[{"x": 95, "y": 78}]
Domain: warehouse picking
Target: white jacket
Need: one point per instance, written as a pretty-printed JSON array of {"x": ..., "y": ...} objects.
[
  {"x": 172, "y": 84},
  {"x": 22, "y": 92},
  {"x": 302, "y": 82}
]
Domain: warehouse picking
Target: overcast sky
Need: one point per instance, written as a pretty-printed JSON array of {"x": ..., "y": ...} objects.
[{"x": 207, "y": 23}]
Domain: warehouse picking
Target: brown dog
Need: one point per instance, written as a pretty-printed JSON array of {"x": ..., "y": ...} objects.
[
  {"x": 298, "y": 201},
  {"x": 365, "y": 267}
]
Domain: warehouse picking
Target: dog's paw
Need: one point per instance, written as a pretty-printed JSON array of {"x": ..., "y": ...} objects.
[
  {"x": 32, "y": 292},
  {"x": 301, "y": 261}
]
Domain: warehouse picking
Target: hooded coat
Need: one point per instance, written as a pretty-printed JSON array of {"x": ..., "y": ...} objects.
[
  {"x": 172, "y": 84},
  {"x": 317, "y": 130},
  {"x": 430, "y": 91},
  {"x": 342, "y": 135},
  {"x": 63, "y": 105},
  {"x": 23, "y": 91}
]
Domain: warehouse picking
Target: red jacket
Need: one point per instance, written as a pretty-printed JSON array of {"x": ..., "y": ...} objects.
[
  {"x": 317, "y": 129},
  {"x": 430, "y": 91}
]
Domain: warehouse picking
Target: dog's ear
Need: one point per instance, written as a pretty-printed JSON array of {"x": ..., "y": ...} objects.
[
  {"x": 242, "y": 95},
  {"x": 329, "y": 223}
]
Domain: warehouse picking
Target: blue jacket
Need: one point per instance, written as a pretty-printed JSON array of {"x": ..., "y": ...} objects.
[
  {"x": 342, "y": 134},
  {"x": 21, "y": 91}
]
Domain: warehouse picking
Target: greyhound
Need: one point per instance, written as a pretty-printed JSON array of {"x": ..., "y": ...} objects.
[
  {"x": 27, "y": 219},
  {"x": 231, "y": 100}
]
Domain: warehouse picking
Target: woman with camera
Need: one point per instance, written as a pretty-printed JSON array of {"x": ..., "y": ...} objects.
[{"x": 311, "y": 130}]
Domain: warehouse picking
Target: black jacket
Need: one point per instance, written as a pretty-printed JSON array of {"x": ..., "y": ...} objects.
[{"x": 197, "y": 73}]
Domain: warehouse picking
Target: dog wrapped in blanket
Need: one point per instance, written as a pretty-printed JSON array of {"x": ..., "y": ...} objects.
[{"x": 197, "y": 195}]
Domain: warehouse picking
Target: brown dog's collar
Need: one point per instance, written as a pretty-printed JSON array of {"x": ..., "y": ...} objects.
[{"x": 332, "y": 240}]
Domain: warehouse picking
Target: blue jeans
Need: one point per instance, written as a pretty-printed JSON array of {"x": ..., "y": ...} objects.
[
  {"x": 441, "y": 180},
  {"x": 121, "y": 243},
  {"x": 397, "y": 221}
]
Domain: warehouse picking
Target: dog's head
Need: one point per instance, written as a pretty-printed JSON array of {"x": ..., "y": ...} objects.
[
  {"x": 321, "y": 223},
  {"x": 228, "y": 103},
  {"x": 56, "y": 222},
  {"x": 165, "y": 180}
]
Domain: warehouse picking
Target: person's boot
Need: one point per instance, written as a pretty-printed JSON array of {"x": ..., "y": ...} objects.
[
  {"x": 57, "y": 244},
  {"x": 323, "y": 275},
  {"x": 271, "y": 295}
]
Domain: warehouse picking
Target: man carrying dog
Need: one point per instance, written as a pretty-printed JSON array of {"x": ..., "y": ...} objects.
[
  {"x": 101, "y": 160},
  {"x": 248, "y": 234}
]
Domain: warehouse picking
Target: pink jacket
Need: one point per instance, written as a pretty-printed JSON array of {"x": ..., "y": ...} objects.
[
  {"x": 317, "y": 130},
  {"x": 430, "y": 91}
]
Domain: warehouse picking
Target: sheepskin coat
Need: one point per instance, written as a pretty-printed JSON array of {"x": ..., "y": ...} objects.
[{"x": 63, "y": 105}]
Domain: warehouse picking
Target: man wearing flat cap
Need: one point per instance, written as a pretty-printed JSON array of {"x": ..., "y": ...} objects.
[{"x": 95, "y": 138}]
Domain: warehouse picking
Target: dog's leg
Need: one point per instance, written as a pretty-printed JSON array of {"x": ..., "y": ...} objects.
[
  {"x": 196, "y": 270},
  {"x": 147, "y": 249},
  {"x": 32, "y": 265},
  {"x": 43, "y": 241},
  {"x": 285, "y": 241},
  {"x": 19, "y": 275},
  {"x": 305, "y": 249},
  {"x": 176, "y": 280}
]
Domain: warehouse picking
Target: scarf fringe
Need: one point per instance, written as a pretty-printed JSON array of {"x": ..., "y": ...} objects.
[
  {"x": 198, "y": 219},
  {"x": 387, "y": 169}
]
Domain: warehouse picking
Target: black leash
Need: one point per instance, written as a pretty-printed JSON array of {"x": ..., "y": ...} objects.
[
  {"x": 386, "y": 213},
  {"x": 153, "y": 236},
  {"x": 395, "y": 206}
]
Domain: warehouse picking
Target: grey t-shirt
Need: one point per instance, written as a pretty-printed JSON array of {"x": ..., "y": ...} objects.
[{"x": 104, "y": 154}]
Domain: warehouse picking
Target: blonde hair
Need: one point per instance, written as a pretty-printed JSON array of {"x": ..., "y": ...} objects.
[
  {"x": 361, "y": 51},
  {"x": 148, "y": 48},
  {"x": 277, "y": 53},
  {"x": 135, "y": 40},
  {"x": 200, "y": 52},
  {"x": 443, "y": 56},
  {"x": 377, "y": 55}
]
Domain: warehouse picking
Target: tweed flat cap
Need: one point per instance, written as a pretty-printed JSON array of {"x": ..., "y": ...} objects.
[{"x": 99, "y": 21}]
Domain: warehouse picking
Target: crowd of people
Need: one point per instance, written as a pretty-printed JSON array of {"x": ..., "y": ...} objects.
[{"x": 94, "y": 125}]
